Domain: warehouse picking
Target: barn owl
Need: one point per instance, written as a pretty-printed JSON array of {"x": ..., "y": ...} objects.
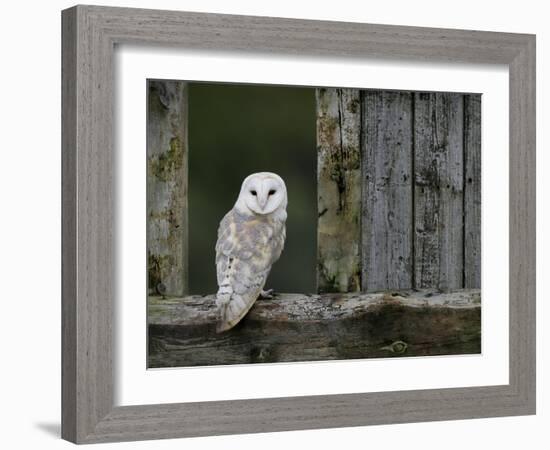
[{"x": 250, "y": 239}]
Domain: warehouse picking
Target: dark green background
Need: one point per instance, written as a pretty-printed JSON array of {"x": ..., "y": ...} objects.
[{"x": 236, "y": 130}]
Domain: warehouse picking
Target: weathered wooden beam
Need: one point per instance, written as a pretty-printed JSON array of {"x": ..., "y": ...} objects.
[
  {"x": 339, "y": 190},
  {"x": 296, "y": 327},
  {"x": 438, "y": 190},
  {"x": 472, "y": 191},
  {"x": 387, "y": 214},
  {"x": 167, "y": 223}
]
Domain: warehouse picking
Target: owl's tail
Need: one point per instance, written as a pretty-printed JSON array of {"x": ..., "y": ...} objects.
[
  {"x": 235, "y": 299},
  {"x": 232, "y": 307},
  {"x": 232, "y": 311}
]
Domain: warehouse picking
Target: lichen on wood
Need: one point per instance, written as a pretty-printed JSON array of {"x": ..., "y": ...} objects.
[
  {"x": 167, "y": 222},
  {"x": 296, "y": 327},
  {"x": 339, "y": 190}
]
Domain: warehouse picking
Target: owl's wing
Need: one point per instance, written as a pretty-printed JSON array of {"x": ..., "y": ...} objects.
[{"x": 244, "y": 254}]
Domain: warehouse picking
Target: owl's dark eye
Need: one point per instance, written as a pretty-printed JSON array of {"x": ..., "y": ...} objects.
[
  {"x": 272, "y": 191},
  {"x": 253, "y": 192}
]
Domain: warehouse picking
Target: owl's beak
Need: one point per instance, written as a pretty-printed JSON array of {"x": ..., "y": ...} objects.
[{"x": 262, "y": 199}]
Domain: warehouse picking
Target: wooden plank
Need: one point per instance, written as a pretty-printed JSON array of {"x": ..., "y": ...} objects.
[
  {"x": 522, "y": 226},
  {"x": 296, "y": 327},
  {"x": 438, "y": 190},
  {"x": 88, "y": 223},
  {"x": 339, "y": 190},
  {"x": 69, "y": 245},
  {"x": 387, "y": 215},
  {"x": 472, "y": 191},
  {"x": 167, "y": 222}
]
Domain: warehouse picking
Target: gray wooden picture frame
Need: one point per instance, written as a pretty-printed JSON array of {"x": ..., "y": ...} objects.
[{"x": 89, "y": 35}]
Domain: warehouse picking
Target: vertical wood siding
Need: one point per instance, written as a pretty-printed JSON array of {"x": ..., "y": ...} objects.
[
  {"x": 387, "y": 196},
  {"x": 399, "y": 189},
  {"x": 339, "y": 190},
  {"x": 419, "y": 193},
  {"x": 438, "y": 190},
  {"x": 167, "y": 223},
  {"x": 472, "y": 191}
]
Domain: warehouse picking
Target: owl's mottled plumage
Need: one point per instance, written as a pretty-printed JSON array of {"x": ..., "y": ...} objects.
[{"x": 250, "y": 239}]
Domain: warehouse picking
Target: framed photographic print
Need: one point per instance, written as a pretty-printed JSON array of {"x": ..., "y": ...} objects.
[
  {"x": 268, "y": 222},
  {"x": 371, "y": 231}
]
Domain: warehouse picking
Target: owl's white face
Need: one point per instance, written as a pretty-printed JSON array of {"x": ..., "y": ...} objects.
[{"x": 263, "y": 193}]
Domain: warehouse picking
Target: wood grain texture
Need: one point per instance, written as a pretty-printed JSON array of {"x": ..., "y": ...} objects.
[
  {"x": 387, "y": 213},
  {"x": 167, "y": 180},
  {"x": 69, "y": 229},
  {"x": 301, "y": 413},
  {"x": 438, "y": 190},
  {"x": 339, "y": 190},
  {"x": 304, "y": 37},
  {"x": 294, "y": 327},
  {"x": 472, "y": 191},
  {"x": 88, "y": 212},
  {"x": 522, "y": 256}
]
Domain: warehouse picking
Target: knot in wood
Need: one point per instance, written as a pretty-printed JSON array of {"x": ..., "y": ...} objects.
[{"x": 396, "y": 347}]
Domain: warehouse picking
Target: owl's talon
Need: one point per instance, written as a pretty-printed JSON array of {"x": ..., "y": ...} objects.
[{"x": 266, "y": 294}]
